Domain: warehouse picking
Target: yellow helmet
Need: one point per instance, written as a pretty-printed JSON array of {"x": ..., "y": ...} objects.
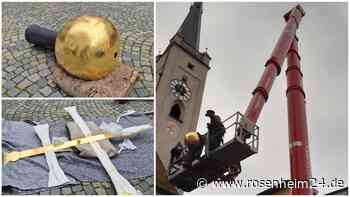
[
  {"x": 88, "y": 47},
  {"x": 192, "y": 138}
]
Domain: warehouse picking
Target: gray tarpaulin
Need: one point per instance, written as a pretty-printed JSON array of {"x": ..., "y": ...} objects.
[{"x": 32, "y": 173}]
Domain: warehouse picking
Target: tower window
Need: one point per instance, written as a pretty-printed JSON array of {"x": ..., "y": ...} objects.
[
  {"x": 175, "y": 112},
  {"x": 190, "y": 66}
]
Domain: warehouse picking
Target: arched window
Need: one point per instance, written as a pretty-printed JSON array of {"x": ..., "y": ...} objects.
[{"x": 175, "y": 112}]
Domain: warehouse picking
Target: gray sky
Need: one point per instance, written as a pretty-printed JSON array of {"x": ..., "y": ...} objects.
[{"x": 240, "y": 38}]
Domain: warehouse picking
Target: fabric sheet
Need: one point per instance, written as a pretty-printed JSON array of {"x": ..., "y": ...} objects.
[{"x": 32, "y": 173}]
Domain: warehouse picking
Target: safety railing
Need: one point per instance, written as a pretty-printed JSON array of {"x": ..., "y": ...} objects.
[{"x": 245, "y": 131}]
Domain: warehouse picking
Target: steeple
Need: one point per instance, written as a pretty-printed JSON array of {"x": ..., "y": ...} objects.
[
  {"x": 178, "y": 112},
  {"x": 191, "y": 27}
]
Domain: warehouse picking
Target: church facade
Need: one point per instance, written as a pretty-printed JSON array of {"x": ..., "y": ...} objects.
[{"x": 180, "y": 80}]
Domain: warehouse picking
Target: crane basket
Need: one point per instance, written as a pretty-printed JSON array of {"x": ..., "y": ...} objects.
[{"x": 221, "y": 163}]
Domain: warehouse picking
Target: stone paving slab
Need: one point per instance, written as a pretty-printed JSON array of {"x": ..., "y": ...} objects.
[
  {"x": 26, "y": 69},
  {"x": 52, "y": 110}
]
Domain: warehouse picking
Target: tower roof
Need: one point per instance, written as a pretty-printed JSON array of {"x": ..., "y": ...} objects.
[{"x": 191, "y": 27}]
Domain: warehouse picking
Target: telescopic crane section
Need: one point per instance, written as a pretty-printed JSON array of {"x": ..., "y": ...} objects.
[
  {"x": 300, "y": 167},
  {"x": 274, "y": 63}
]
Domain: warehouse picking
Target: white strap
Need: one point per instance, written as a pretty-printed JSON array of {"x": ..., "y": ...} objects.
[
  {"x": 56, "y": 174},
  {"x": 126, "y": 145},
  {"x": 131, "y": 132},
  {"x": 125, "y": 114},
  {"x": 121, "y": 185}
]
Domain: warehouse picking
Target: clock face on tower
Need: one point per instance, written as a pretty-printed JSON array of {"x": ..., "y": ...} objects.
[{"x": 180, "y": 89}]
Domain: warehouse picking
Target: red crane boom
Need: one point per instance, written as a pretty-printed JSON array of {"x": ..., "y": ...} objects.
[{"x": 287, "y": 45}]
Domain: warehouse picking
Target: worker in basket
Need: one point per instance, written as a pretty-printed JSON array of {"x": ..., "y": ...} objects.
[
  {"x": 194, "y": 146},
  {"x": 195, "y": 142},
  {"x": 216, "y": 130}
]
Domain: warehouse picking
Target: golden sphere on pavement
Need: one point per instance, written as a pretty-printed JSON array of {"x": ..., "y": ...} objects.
[{"x": 88, "y": 47}]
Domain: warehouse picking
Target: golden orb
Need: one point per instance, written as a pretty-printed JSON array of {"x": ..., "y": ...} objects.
[
  {"x": 88, "y": 47},
  {"x": 192, "y": 138}
]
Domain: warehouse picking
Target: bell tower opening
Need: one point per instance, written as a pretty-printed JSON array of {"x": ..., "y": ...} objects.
[{"x": 175, "y": 112}]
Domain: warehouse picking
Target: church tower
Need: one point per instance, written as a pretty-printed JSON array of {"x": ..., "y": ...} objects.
[{"x": 181, "y": 75}]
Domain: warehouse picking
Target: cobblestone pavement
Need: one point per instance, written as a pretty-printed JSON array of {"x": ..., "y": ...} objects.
[
  {"x": 51, "y": 110},
  {"x": 26, "y": 69}
]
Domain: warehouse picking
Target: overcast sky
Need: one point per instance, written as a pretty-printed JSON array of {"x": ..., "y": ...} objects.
[{"x": 240, "y": 38}]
